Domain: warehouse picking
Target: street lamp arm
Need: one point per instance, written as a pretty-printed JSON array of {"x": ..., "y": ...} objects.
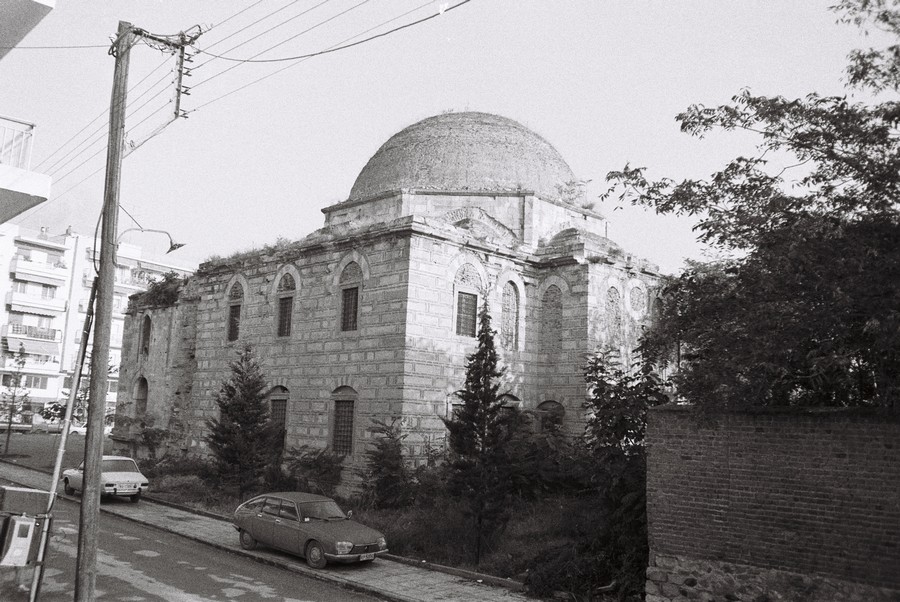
[{"x": 172, "y": 244}]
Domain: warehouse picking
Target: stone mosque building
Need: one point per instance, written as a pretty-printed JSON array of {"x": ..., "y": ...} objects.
[{"x": 372, "y": 316}]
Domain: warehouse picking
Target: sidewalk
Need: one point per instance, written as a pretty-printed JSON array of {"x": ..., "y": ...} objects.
[{"x": 386, "y": 578}]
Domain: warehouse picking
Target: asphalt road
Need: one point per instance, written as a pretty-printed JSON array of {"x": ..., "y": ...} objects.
[{"x": 138, "y": 563}]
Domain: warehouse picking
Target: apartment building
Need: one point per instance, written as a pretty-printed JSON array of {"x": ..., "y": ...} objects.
[{"x": 46, "y": 290}]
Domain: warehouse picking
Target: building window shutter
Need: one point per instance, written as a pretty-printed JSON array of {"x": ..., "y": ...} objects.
[
  {"x": 349, "y": 308},
  {"x": 342, "y": 442},
  {"x": 285, "y": 308},
  {"x": 466, "y": 314},
  {"x": 234, "y": 322}
]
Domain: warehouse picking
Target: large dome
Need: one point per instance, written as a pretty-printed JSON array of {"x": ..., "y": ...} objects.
[{"x": 476, "y": 152}]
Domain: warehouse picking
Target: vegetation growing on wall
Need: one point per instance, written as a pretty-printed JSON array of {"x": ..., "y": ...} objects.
[{"x": 163, "y": 292}]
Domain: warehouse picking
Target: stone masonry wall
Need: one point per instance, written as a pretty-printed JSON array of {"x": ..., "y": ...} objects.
[{"x": 773, "y": 505}]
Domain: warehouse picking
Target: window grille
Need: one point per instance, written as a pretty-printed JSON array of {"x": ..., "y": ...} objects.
[
  {"x": 466, "y": 314},
  {"x": 349, "y": 308},
  {"x": 142, "y": 391},
  {"x": 509, "y": 325},
  {"x": 234, "y": 322},
  {"x": 342, "y": 442},
  {"x": 285, "y": 308},
  {"x": 278, "y": 413}
]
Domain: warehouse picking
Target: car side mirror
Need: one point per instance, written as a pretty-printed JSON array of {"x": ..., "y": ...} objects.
[{"x": 350, "y": 514}]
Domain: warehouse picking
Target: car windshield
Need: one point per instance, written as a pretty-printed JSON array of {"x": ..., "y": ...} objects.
[
  {"x": 325, "y": 510},
  {"x": 119, "y": 466}
]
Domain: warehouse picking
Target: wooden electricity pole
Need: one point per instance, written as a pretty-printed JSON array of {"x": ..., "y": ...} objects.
[{"x": 89, "y": 524}]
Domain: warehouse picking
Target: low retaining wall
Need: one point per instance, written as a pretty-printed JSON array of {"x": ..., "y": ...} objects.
[{"x": 773, "y": 505}]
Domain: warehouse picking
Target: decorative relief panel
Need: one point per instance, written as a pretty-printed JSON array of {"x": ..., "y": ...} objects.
[
  {"x": 509, "y": 325},
  {"x": 467, "y": 275},
  {"x": 614, "y": 313},
  {"x": 551, "y": 320},
  {"x": 351, "y": 273}
]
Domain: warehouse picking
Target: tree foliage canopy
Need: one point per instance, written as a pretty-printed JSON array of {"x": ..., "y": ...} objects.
[
  {"x": 805, "y": 310},
  {"x": 478, "y": 435},
  {"x": 242, "y": 439}
]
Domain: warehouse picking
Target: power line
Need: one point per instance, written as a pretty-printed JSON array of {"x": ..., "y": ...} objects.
[
  {"x": 329, "y": 50},
  {"x": 297, "y": 16},
  {"x": 263, "y": 18},
  {"x": 101, "y": 114},
  {"x": 62, "y": 161},
  {"x": 53, "y": 47},
  {"x": 301, "y": 60}
]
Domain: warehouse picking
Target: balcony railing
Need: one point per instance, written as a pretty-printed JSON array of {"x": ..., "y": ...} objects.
[
  {"x": 34, "y": 332},
  {"x": 16, "y": 138},
  {"x": 37, "y": 302}
]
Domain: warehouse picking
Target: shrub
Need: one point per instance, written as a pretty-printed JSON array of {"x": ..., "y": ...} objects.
[
  {"x": 315, "y": 470},
  {"x": 387, "y": 481}
]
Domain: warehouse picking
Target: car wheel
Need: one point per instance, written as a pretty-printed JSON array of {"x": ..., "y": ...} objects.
[
  {"x": 247, "y": 541},
  {"x": 136, "y": 498},
  {"x": 315, "y": 555},
  {"x": 67, "y": 489}
]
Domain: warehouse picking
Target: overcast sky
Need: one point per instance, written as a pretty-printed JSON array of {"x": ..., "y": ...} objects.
[{"x": 600, "y": 80}]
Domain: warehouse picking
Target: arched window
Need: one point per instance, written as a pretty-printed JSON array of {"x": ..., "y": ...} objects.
[
  {"x": 509, "y": 319},
  {"x": 467, "y": 284},
  {"x": 145, "y": 335},
  {"x": 278, "y": 399},
  {"x": 551, "y": 414},
  {"x": 551, "y": 320},
  {"x": 235, "y": 300},
  {"x": 285, "y": 292},
  {"x": 344, "y": 399},
  {"x": 141, "y": 392},
  {"x": 350, "y": 282}
]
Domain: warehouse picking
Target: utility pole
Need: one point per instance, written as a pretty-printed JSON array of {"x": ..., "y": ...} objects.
[{"x": 89, "y": 524}]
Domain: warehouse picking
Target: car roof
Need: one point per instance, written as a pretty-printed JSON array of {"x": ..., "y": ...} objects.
[
  {"x": 117, "y": 458},
  {"x": 296, "y": 496}
]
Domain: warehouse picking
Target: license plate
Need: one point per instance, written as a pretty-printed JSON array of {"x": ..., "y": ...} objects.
[{"x": 370, "y": 556}]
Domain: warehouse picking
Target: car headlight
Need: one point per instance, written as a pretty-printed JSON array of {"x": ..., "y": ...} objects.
[
  {"x": 382, "y": 543},
  {"x": 343, "y": 547}
]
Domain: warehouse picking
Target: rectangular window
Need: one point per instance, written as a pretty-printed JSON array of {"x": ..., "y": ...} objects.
[
  {"x": 67, "y": 382},
  {"x": 343, "y": 427},
  {"x": 48, "y": 292},
  {"x": 285, "y": 308},
  {"x": 234, "y": 322},
  {"x": 278, "y": 413},
  {"x": 466, "y": 314},
  {"x": 20, "y": 286},
  {"x": 349, "y": 306}
]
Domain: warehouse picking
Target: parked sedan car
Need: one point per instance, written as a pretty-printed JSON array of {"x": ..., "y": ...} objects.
[
  {"x": 311, "y": 526},
  {"x": 120, "y": 476}
]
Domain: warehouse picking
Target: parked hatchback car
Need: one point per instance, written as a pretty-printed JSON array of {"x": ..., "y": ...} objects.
[
  {"x": 120, "y": 476},
  {"x": 311, "y": 526}
]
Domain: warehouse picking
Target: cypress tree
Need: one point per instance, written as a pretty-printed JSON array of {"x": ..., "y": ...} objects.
[
  {"x": 242, "y": 439},
  {"x": 478, "y": 432}
]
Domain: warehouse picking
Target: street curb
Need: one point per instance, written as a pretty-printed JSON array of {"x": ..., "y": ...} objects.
[{"x": 462, "y": 573}]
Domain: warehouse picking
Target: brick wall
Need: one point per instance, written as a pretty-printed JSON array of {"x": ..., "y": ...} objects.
[{"x": 773, "y": 494}]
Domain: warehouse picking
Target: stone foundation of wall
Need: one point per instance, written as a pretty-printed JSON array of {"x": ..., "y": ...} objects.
[{"x": 679, "y": 579}]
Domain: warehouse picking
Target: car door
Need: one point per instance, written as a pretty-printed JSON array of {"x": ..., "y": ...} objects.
[
  {"x": 287, "y": 528},
  {"x": 263, "y": 527},
  {"x": 76, "y": 477}
]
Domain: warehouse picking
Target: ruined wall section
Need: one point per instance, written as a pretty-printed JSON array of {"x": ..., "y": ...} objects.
[{"x": 166, "y": 363}]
